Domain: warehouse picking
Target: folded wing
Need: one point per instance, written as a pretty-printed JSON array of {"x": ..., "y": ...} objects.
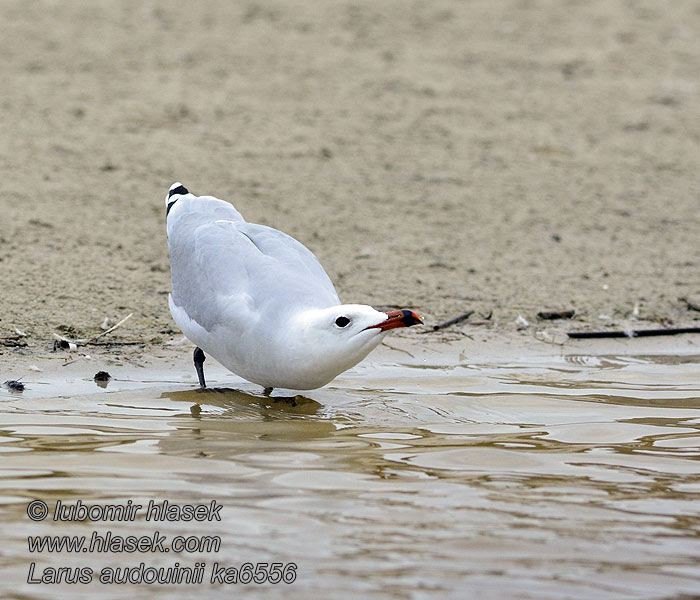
[{"x": 226, "y": 271}]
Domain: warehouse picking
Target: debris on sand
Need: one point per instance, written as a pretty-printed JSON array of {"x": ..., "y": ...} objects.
[
  {"x": 110, "y": 330},
  {"x": 13, "y": 341},
  {"x": 14, "y": 385},
  {"x": 551, "y": 315},
  {"x": 453, "y": 320},
  {"x": 630, "y": 333},
  {"x": 521, "y": 321},
  {"x": 64, "y": 343},
  {"x": 550, "y": 338},
  {"x": 691, "y": 304},
  {"x": 102, "y": 378}
]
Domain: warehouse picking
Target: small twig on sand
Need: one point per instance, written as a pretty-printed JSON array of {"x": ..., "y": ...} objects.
[
  {"x": 118, "y": 343},
  {"x": 690, "y": 305},
  {"x": 457, "y": 319},
  {"x": 632, "y": 333},
  {"x": 65, "y": 343},
  {"x": 110, "y": 330},
  {"x": 398, "y": 349}
]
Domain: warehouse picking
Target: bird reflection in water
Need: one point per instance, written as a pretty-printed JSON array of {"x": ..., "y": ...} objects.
[{"x": 244, "y": 403}]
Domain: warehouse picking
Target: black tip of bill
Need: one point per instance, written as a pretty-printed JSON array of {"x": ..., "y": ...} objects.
[
  {"x": 410, "y": 318},
  {"x": 398, "y": 318}
]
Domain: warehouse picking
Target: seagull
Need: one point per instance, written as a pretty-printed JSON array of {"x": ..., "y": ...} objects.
[{"x": 259, "y": 302}]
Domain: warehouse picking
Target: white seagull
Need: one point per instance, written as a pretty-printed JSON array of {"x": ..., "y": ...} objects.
[{"x": 259, "y": 302}]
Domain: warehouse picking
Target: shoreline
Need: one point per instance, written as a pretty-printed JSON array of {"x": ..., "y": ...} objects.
[{"x": 63, "y": 373}]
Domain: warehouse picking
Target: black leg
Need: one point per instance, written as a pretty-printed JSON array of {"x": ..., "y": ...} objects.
[
  {"x": 268, "y": 391},
  {"x": 199, "y": 359}
]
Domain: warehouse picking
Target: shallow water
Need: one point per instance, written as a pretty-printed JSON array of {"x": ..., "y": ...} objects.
[{"x": 571, "y": 476}]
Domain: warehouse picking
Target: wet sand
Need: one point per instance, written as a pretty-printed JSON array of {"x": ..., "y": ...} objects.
[
  {"x": 140, "y": 370},
  {"x": 504, "y": 157}
]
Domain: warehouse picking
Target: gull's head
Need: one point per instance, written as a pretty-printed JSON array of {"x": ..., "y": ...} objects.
[{"x": 337, "y": 338}]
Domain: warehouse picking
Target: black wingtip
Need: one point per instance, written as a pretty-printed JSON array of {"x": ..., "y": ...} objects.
[{"x": 177, "y": 189}]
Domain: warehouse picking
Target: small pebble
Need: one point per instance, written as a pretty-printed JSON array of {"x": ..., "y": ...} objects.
[
  {"x": 102, "y": 376},
  {"x": 550, "y": 315},
  {"x": 14, "y": 386}
]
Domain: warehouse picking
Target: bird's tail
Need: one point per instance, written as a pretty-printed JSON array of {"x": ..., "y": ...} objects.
[
  {"x": 204, "y": 209},
  {"x": 176, "y": 190}
]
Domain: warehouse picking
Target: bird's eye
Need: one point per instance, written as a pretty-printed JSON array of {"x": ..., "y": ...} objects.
[{"x": 342, "y": 321}]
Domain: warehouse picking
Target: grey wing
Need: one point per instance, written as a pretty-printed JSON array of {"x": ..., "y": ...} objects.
[
  {"x": 208, "y": 274},
  {"x": 232, "y": 273},
  {"x": 294, "y": 259},
  {"x": 191, "y": 211}
]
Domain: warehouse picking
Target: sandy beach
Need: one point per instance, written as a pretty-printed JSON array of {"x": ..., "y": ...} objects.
[{"x": 505, "y": 157}]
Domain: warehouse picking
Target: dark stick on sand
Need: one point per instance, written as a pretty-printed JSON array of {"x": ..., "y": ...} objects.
[
  {"x": 632, "y": 333},
  {"x": 12, "y": 341},
  {"x": 690, "y": 305},
  {"x": 457, "y": 319}
]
